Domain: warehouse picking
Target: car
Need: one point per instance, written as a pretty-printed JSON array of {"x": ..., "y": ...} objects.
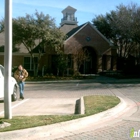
[{"x": 13, "y": 85}]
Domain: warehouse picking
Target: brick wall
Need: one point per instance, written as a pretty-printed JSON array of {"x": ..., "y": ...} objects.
[
  {"x": 80, "y": 40},
  {"x": 90, "y": 37}
]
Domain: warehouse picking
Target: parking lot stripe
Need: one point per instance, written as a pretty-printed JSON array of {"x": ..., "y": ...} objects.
[
  {"x": 16, "y": 105},
  {"x": 20, "y": 103},
  {"x": 1, "y": 112}
]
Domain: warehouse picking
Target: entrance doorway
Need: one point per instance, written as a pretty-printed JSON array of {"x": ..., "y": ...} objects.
[{"x": 89, "y": 66}]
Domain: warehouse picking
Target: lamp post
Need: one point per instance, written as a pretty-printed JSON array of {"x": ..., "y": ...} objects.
[{"x": 7, "y": 58}]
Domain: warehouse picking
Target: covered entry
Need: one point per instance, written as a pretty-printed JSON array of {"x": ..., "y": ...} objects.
[{"x": 89, "y": 65}]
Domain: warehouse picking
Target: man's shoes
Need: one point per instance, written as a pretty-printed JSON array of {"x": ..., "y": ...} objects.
[{"x": 22, "y": 98}]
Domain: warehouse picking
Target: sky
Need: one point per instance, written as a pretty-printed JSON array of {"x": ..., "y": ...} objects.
[{"x": 86, "y": 9}]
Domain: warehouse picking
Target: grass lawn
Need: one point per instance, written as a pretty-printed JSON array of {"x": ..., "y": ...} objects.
[{"x": 93, "y": 105}]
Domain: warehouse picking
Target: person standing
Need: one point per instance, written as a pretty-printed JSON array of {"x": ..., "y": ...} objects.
[{"x": 20, "y": 75}]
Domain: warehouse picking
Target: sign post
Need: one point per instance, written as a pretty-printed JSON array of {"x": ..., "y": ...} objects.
[{"x": 7, "y": 59}]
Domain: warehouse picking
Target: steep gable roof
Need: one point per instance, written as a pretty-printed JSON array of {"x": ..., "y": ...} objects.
[
  {"x": 21, "y": 48},
  {"x": 74, "y": 31},
  {"x": 79, "y": 28},
  {"x": 65, "y": 28},
  {"x": 37, "y": 49}
]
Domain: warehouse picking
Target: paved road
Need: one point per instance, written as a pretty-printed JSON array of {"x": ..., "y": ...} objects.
[
  {"x": 118, "y": 129},
  {"x": 114, "y": 129},
  {"x": 66, "y": 89}
]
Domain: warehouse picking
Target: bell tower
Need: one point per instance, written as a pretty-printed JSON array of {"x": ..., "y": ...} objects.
[{"x": 69, "y": 16}]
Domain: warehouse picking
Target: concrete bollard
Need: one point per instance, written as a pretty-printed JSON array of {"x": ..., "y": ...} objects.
[{"x": 81, "y": 106}]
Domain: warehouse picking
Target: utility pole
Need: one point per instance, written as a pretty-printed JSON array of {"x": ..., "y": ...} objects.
[{"x": 7, "y": 59}]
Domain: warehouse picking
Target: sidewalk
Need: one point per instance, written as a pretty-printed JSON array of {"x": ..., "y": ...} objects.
[{"x": 68, "y": 129}]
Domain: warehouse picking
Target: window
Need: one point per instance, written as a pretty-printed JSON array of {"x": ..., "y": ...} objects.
[
  {"x": 70, "y": 61},
  {"x": 28, "y": 62}
]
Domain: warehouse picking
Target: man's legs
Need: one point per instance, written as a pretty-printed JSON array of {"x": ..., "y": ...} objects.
[{"x": 21, "y": 89}]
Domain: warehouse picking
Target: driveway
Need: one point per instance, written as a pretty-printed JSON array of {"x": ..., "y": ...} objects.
[
  {"x": 118, "y": 127},
  {"x": 54, "y": 97},
  {"x": 59, "y": 97}
]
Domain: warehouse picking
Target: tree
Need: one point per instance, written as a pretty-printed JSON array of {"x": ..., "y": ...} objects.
[
  {"x": 37, "y": 30},
  {"x": 136, "y": 31},
  {"x": 136, "y": 25},
  {"x": 79, "y": 57},
  {"x": 102, "y": 24},
  {"x": 119, "y": 26},
  {"x": 60, "y": 63},
  {"x": 14, "y": 48},
  {"x": 1, "y": 25}
]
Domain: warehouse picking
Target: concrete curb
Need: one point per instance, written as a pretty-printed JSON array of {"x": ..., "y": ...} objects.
[
  {"x": 52, "y": 81},
  {"x": 66, "y": 128}
]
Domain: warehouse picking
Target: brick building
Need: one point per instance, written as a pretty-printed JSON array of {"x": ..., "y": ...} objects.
[{"x": 101, "y": 53}]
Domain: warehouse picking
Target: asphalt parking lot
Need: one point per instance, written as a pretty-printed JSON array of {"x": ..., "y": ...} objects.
[
  {"x": 117, "y": 127},
  {"x": 59, "y": 97},
  {"x": 53, "y": 98}
]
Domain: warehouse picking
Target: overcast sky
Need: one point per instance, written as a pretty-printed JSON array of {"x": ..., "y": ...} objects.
[{"x": 86, "y": 9}]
